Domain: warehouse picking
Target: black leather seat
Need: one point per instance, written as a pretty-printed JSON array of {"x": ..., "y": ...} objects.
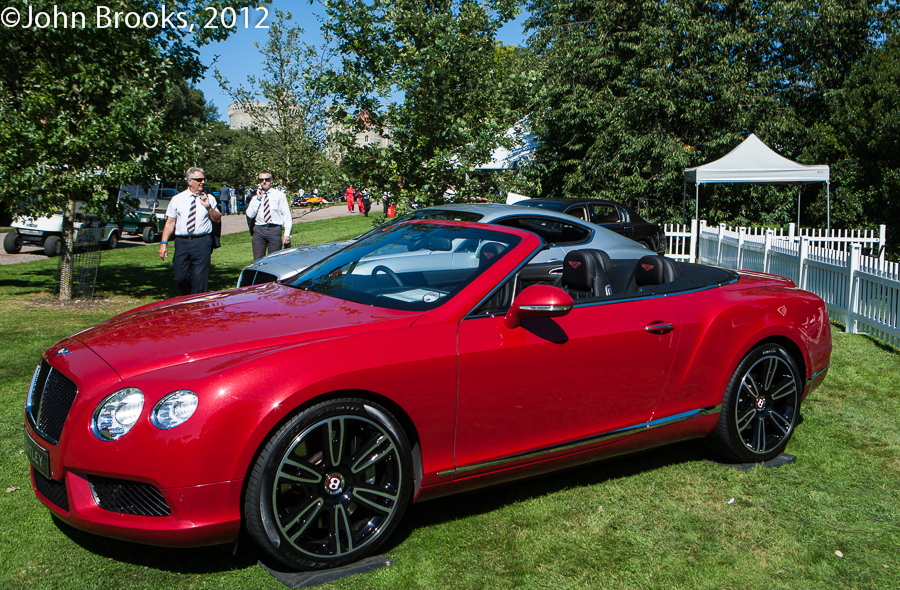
[
  {"x": 584, "y": 274},
  {"x": 653, "y": 270}
]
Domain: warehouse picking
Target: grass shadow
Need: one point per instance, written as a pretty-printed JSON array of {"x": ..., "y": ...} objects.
[
  {"x": 200, "y": 560},
  {"x": 487, "y": 500}
]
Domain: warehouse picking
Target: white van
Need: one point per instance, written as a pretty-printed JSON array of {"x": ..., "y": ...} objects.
[{"x": 47, "y": 232}]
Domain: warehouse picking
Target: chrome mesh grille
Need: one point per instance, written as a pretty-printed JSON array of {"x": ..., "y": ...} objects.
[
  {"x": 51, "y": 399},
  {"x": 128, "y": 497}
]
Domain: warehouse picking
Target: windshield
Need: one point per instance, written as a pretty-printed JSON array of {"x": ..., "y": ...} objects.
[
  {"x": 427, "y": 214},
  {"x": 412, "y": 267}
]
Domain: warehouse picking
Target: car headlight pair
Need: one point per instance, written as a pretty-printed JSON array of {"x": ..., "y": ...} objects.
[{"x": 118, "y": 412}]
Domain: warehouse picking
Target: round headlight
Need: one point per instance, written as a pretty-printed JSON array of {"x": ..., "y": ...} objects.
[
  {"x": 174, "y": 409},
  {"x": 116, "y": 414}
]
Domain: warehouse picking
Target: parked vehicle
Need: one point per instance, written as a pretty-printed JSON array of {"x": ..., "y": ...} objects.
[
  {"x": 47, "y": 232},
  {"x": 617, "y": 217},
  {"x": 149, "y": 218},
  {"x": 561, "y": 232},
  {"x": 182, "y": 421}
]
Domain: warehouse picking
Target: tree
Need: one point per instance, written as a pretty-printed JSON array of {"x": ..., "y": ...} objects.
[
  {"x": 427, "y": 73},
  {"x": 861, "y": 138},
  {"x": 633, "y": 93},
  {"x": 287, "y": 105},
  {"x": 86, "y": 107}
]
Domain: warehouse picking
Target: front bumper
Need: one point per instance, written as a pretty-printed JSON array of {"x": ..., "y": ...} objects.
[{"x": 198, "y": 515}]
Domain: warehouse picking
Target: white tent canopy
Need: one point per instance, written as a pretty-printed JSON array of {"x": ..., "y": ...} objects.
[{"x": 754, "y": 162}]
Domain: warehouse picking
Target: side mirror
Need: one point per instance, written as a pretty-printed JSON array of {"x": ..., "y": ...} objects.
[{"x": 541, "y": 301}]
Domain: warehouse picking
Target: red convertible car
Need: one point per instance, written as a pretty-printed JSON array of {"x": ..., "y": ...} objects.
[{"x": 180, "y": 422}]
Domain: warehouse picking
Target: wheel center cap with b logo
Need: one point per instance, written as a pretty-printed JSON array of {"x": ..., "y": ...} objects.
[
  {"x": 334, "y": 484},
  {"x": 760, "y": 403}
]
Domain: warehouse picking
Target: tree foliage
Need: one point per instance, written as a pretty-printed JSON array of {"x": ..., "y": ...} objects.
[
  {"x": 85, "y": 109},
  {"x": 860, "y": 137},
  {"x": 287, "y": 104},
  {"x": 427, "y": 72},
  {"x": 632, "y": 93}
]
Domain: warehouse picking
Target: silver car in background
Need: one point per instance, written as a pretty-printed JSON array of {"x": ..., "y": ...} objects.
[{"x": 562, "y": 233}]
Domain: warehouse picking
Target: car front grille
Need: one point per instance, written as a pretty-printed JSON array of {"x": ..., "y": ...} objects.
[
  {"x": 50, "y": 400},
  {"x": 55, "y": 491},
  {"x": 128, "y": 497},
  {"x": 255, "y": 277}
]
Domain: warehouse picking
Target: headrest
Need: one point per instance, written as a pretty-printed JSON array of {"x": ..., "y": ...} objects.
[
  {"x": 489, "y": 253},
  {"x": 656, "y": 270},
  {"x": 579, "y": 269},
  {"x": 432, "y": 242}
]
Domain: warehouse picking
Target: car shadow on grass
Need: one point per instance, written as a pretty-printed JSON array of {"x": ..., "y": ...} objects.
[
  {"x": 244, "y": 553},
  {"x": 487, "y": 500},
  {"x": 200, "y": 560}
]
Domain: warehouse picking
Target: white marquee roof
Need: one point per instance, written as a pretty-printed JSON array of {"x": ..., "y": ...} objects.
[{"x": 753, "y": 161}]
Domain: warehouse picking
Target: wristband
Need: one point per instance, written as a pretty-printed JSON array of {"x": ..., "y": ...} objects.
[{"x": 163, "y": 242}]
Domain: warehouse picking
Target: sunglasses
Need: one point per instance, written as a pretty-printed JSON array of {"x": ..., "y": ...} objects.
[
  {"x": 197, "y": 179},
  {"x": 264, "y": 179}
]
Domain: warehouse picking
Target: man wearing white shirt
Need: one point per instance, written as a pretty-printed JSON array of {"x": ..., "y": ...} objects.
[
  {"x": 269, "y": 207},
  {"x": 190, "y": 216}
]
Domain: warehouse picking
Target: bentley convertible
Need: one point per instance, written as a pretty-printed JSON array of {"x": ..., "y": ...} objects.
[{"x": 179, "y": 422}]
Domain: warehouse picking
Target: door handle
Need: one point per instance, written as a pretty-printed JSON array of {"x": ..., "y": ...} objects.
[{"x": 659, "y": 328}]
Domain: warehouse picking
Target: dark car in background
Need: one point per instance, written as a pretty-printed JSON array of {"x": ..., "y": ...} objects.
[{"x": 617, "y": 217}]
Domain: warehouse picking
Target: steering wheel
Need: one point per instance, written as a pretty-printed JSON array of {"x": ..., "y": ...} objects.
[{"x": 389, "y": 273}]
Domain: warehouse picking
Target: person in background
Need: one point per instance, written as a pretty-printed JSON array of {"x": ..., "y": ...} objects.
[
  {"x": 232, "y": 199},
  {"x": 223, "y": 198},
  {"x": 365, "y": 203},
  {"x": 189, "y": 218},
  {"x": 272, "y": 214},
  {"x": 349, "y": 193}
]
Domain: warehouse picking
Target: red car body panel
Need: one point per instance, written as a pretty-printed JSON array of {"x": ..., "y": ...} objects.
[{"x": 482, "y": 403}]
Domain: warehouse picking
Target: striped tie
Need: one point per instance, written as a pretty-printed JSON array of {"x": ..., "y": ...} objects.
[
  {"x": 266, "y": 208},
  {"x": 192, "y": 216}
]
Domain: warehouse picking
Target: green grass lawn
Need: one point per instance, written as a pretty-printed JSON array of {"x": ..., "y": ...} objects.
[{"x": 667, "y": 518}]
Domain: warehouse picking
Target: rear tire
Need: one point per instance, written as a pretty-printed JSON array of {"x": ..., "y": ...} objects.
[
  {"x": 112, "y": 241},
  {"x": 761, "y": 406},
  {"x": 12, "y": 243},
  {"x": 52, "y": 246},
  {"x": 149, "y": 235},
  {"x": 330, "y": 485}
]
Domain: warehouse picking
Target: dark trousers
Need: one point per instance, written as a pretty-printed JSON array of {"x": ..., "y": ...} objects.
[
  {"x": 191, "y": 264},
  {"x": 266, "y": 237}
]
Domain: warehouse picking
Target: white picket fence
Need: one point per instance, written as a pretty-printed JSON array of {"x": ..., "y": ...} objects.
[{"x": 860, "y": 291}]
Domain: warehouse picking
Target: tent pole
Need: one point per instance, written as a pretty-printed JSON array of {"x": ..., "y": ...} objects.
[
  {"x": 683, "y": 203},
  {"x": 799, "y": 188},
  {"x": 697, "y": 202},
  {"x": 828, "y": 198}
]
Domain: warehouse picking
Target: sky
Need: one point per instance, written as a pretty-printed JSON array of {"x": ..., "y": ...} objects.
[{"x": 238, "y": 58}]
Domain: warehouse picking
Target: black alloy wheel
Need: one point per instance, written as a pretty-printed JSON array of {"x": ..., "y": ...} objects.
[
  {"x": 761, "y": 405},
  {"x": 330, "y": 485}
]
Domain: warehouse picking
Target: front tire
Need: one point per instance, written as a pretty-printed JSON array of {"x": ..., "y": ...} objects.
[
  {"x": 330, "y": 485},
  {"x": 52, "y": 246},
  {"x": 761, "y": 406},
  {"x": 12, "y": 243},
  {"x": 149, "y": 235},
  {"x": 113, "y": 241}
]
